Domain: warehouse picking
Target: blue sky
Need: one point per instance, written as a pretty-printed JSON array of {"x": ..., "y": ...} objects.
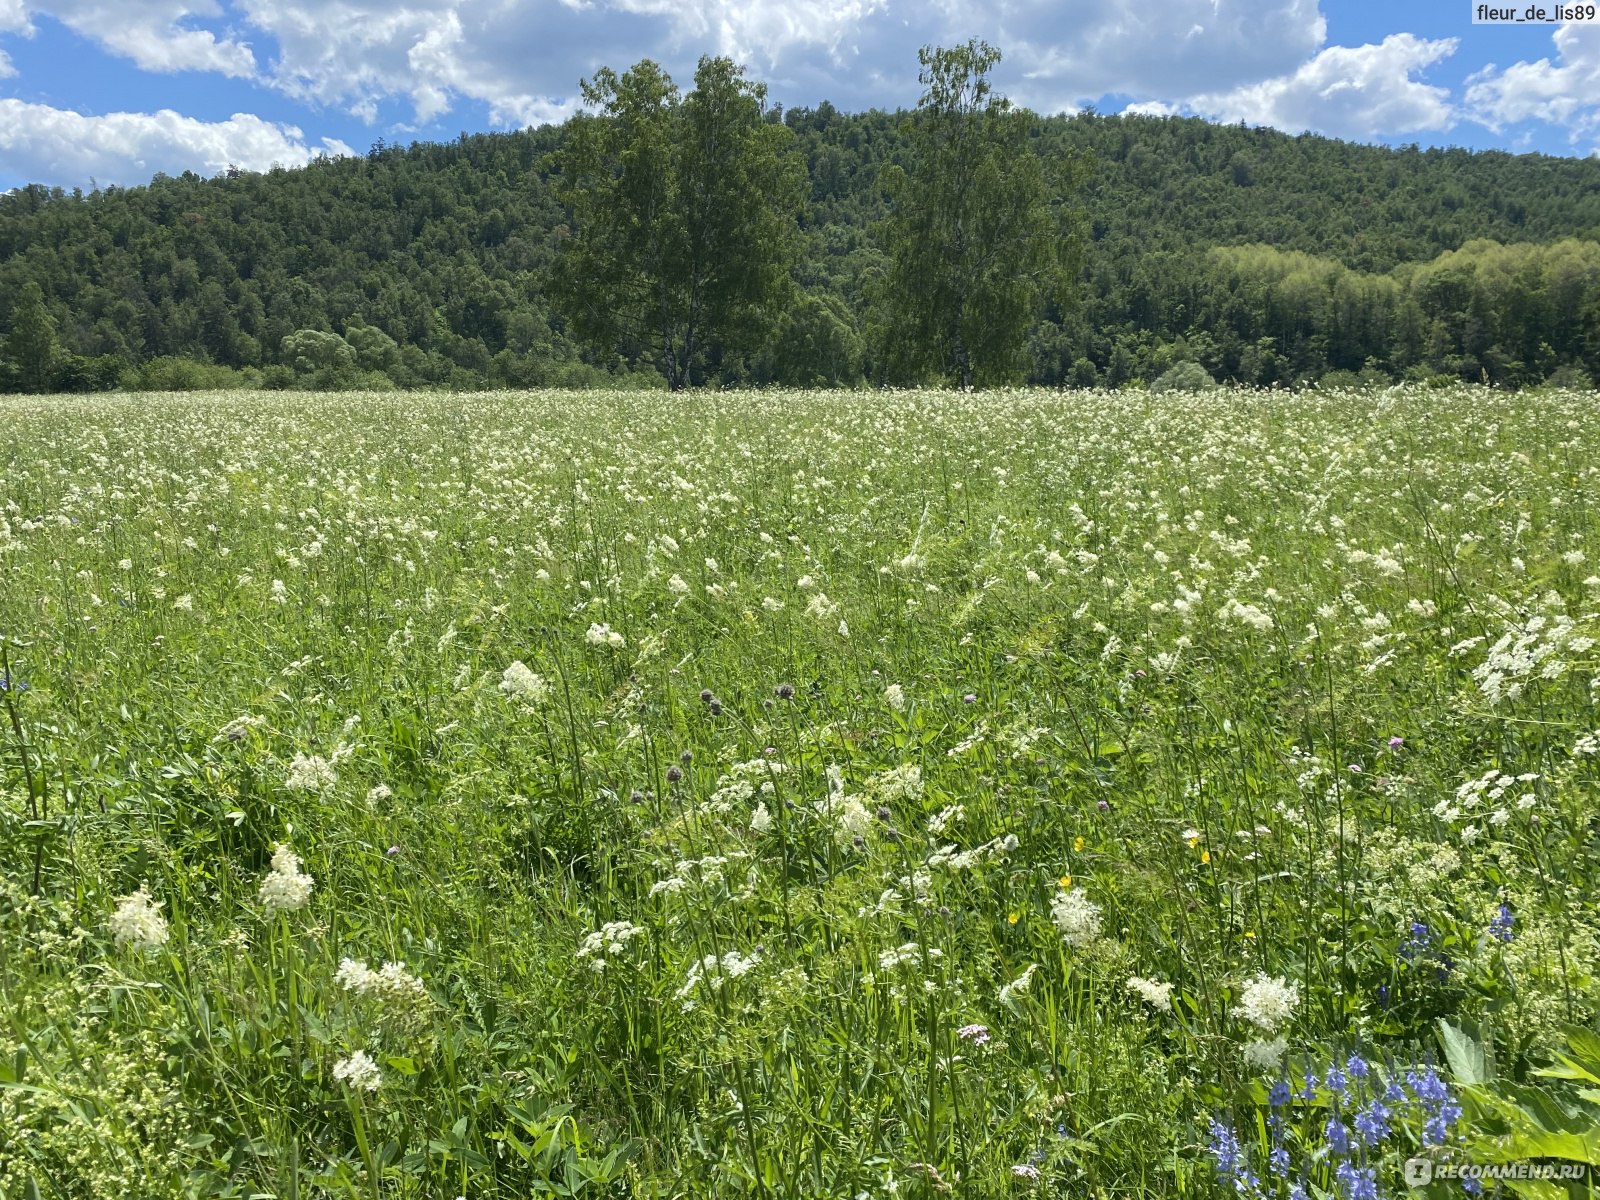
[{"x": 111, "y": 91}]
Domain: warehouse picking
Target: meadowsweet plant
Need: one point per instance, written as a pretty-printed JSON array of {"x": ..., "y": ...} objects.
[{"x": 790, "y": 795}]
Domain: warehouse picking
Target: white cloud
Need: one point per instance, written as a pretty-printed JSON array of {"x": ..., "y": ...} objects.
[
  {"x": 66, "y": 148},
  {"x": 1345, "y": 91},
  {"x": 1167, "y": 50},
  {"x": 523, "y": 59},
  {"x": 1565, "y": 93},
  {"x": 156, "y": 34}
]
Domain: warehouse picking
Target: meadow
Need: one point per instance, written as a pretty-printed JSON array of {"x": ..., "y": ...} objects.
[{"x": 846, "y": 794}]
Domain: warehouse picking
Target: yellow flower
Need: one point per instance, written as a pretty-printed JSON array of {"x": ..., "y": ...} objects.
[
  {"x": 1205, "y": 856},
  {"x": 1194, "y": 841},
  {"x": 1250, "y": 933},
  {"x": 1065, "y": 881},
  {"x": 1011, "y": 918},
  {"x": 1077, "y": 843}
]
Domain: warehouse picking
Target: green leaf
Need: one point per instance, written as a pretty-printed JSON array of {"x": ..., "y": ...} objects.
[{"x": 1468, "y": 1063}]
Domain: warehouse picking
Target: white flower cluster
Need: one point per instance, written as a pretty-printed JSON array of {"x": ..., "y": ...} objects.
[
  {"x": 895, "y": 697},
  {"x": 610, "y": 940},
  {"x": 285, "y": 888},
  {"x": 1265, "y": 1054},
  {"x": 138, "y": 922},
  {"x": 897, "y": 784},
  {"x": 603, "y": 635},
  {"x": 1077, "y": 916},
  {"x": 1535, "y": 650},
  {"x": 1156, "y": 994},
  {"x": 521, "y": 683},
  {"x": 949, "y": 815},
  {"x": 715, "y": 972},
  {"x": 1268, "y": 1002},
  {"x": 1246, "y": 614},
  {"x": 238, "y": 727},
  {"x": 910, "y": 954},
  {"x": 391, "y": 984},
  {"x": 311, "y": 773},
  {"x": 358, "y": 1072}
]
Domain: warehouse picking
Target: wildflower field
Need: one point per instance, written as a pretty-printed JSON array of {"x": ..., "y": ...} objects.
[{"x": 798, "y": 795}]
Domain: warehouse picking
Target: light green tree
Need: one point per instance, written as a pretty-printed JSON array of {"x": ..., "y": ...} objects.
[
  {"x": 979, "y": 234},
  {"x": 684, "y": 214}
]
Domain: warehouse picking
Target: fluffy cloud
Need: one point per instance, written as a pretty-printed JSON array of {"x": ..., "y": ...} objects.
[
  {"x": 1566, "y": 93},
  {"x": 157, "y": 35},
  {"x": 523, "y": 60},
  {"x": 40, "y": 142},
  {"x": 1345, "y": 91}
]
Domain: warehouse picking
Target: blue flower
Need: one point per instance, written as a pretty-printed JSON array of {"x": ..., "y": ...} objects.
[
  {"x": 1338, "y": 1134},
  {"x": 1229, "y": 1157},
  {"x": 1357, "y": 1066},
  {"x": 1501, "y": 927},
  {"x": 1278, "y": 1096},
  {"x": 1336, "y": 1081},
  {"x": 1372, "y": 1123},
  {"x": 1278, "y": 1160},
  {"x": 1308, "y": 1093},
  {"x": 1357, "y": 1183}
]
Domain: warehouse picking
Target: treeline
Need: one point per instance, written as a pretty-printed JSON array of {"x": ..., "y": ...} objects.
[{"x": 1250, "y": 254}]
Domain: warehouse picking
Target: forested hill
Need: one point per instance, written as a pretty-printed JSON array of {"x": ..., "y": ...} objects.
[{"x": 1263, "y": 257}]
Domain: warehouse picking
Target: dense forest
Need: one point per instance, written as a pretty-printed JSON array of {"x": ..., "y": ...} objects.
[{"x": 1257, "y": 256}]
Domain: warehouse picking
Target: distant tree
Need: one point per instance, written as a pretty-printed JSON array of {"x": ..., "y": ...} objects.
[
  {"x": 685, "y": 217},
  {"x": 979, "y": 234},
  {"x": 30, "y": 350}
]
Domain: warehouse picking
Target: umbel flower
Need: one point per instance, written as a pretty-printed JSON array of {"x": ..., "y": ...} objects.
[
  {"x": 138, "y": 922},
  {"x": 285, "y": 887}
]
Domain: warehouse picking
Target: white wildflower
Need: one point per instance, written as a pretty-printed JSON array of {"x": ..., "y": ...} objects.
[
  {"x": 895, "y": 697},
  {"x": 311, "y": 773},
  {"x": 285, "y": 888},
  {"x": 138, "y": 922},
  {"x": 1267, "y": 1003},
  {"x": 603, "y": 635},
  {"x": 519, "y": 681},
  {"x": 1264, "y": 1054},
  {"x": 1077, "y": 916},
  {"x": 1156, "y": 994},
  {"x": 359, "y": 1072}
]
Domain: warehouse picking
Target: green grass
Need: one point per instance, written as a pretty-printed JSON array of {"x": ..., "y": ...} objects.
[{"x": 1224, "y": 662}]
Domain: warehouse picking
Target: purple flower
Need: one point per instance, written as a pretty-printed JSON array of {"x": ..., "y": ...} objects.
[
  {"x": 976, "y": 1034},
  {"x": 1338, "y": 1134},
  {"x": 1279, "y": 1095},
  {"x": 1396, "y": 742},
  {"x": 1336, "y": 1081},
  {"x": 970, "y": 698}
]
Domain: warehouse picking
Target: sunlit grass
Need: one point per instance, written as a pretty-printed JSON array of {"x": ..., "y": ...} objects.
[{"x": 873, "y": 763}]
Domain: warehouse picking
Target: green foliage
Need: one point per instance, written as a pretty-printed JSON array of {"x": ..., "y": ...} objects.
[
  {"x": 447, "y": 250},
  {"x": 953, "y": 729},
  {"x": 30, "y": 352},
  {"x": 977, "y": 237},
  {"x": 1186, "y": 376},
  {"x": 684, "y": 212}
]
